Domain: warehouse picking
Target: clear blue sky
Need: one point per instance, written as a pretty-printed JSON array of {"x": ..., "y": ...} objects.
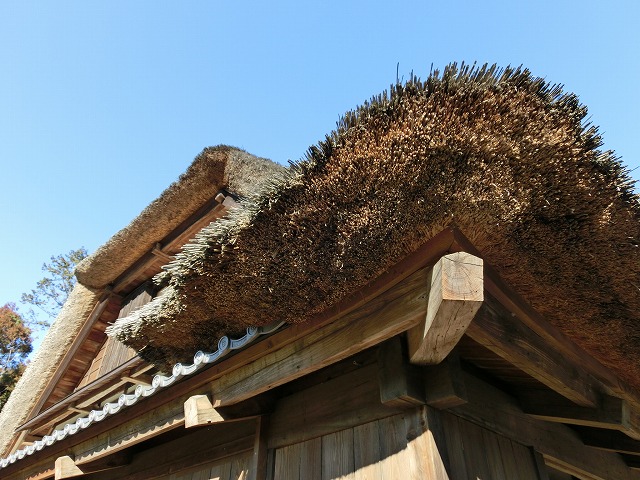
[{"x": 104, "y": 104}]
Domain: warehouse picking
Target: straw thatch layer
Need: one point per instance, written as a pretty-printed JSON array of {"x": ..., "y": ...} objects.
[
  {"x": 502, "y": 155},
  {"x": 216, "y": 168},
  {"x": 45, "y": 362}
]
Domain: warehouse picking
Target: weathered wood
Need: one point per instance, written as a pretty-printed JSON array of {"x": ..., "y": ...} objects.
[
  {"x": 632, "y": 461},
  {"x": 343, "y": 402},
  {"x": 337, "y": 455},
  {"x": 428, "y": 456},
  {"x": 197, "y": 448},
  {"x": 198, "y": 411},
  {"x": 258, "y": 469},
  {"x": 505, "y": 335},
  {"x": 86, "y": 395},
  {"x": 68, "y": 358},
  {"x": 456, "y": 293},
  {"x": 400, "y": 382},
  {"x": 609, "y": 440},
  {"x": 557, "y": 443},
  {"x": 444, "y": 384},
  {"x": 393, "y": 443},
  {"x": 158, "y": 252},
  {"x": 543, "y": 472},
  {"x": 65, "y": 467},
  {"x": 612, "y": 413},
  {"x": 144, "y": 380},
  {"x": 366, "y": 451},
  {"x": 551, "y": 335},
  {"x": 389, "y": 314}
]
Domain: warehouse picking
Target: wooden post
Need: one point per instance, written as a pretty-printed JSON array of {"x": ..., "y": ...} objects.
[
  {"x": 400, "y": 382},
  {"x": 199, "y": 411},
  {"x": 259, "y": 470},
  {"x": 457, "y": 291},
  {"x": 444, "y": 384}
]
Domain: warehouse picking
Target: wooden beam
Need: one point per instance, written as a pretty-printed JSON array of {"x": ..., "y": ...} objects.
[
  {"x": 158, "y": 252},
  {"x": 332, "y": 405},
  {"x": 142, "y": 379},
  {"x": 609, "y": 440},
  {"x": 456, "y": 293},
  {"x": 444, "y": 384},
  {"x": 506, "y": 335},
  {"x": 632, "y": 461},
  {"x": 400, "y": 382},
  {"x": 99, "y": 308},
  {"x": 65, "y": 467},
  {"x": 551, "y": 335},
  {"x": 198, "y": 411},
  {"x": 389, "y": 314},
  {"x": 559, "y": 444},
  {"x": 83, "y": 411},
  {"x": 612, "y": 413}
]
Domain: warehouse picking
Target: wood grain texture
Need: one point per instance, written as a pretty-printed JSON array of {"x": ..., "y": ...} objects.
[
  {"x": 508, "y": 337},
  {"x": 389, "y": 314},
  {"x": 198, "y": 411},
  {"x": 65, "y": 467},
  {"x": 558, "y": 444},
  {"x": 455, "y": 295}
]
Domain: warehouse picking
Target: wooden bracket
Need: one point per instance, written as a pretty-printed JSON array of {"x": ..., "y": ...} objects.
[
  {"x": 400, "y": 382},
  {"x": 198, "y": 411},
  {"x": 457, "y": 291},
  {"x": 65, "y": 467}
]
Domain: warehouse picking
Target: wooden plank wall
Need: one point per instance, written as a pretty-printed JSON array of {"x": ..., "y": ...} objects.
[
  {"x": 233, "y": 468},
  {"x": 397, "y": 447},
  {"x": 113, "y": 353},
  {"x": 386, "y": 448}
]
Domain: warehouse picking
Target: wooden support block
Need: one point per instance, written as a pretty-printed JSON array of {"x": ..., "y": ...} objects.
[
  {"x": 444, "y": 384},
  {"x": 400, "y": 382},
  {"x": 611, "y": 413},
  {"x": 65, "y": 467},
  {"x": 456, "y": 293},
  {"x": 198, "y": 410}
]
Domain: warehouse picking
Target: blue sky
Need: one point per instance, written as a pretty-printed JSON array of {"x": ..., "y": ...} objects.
[{"x": 104, "y": 104}]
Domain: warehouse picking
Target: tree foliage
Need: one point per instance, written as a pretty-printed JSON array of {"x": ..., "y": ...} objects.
[
  {"x": 15, "y": 345},
  {"x": 52, "y": 291}
]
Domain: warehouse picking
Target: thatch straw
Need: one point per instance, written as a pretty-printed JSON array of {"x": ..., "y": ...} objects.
[
  {"x": 500, "y": 154},
  {"x": 216, "y": 168},
  {"x": 45, "y": 362}
]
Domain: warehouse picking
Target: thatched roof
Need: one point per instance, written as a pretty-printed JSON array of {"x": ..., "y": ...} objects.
[
  {"x": 42, "y": 367},
  {"x": 501, "y": 155},
  {"x": 216, "y": 168}
]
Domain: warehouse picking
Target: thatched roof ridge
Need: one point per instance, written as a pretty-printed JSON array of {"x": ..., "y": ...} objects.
[
  {"x": 216, "y": 168},
  {"x": 45, "y": 362},
  {"x": 502, "y": 155}
]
